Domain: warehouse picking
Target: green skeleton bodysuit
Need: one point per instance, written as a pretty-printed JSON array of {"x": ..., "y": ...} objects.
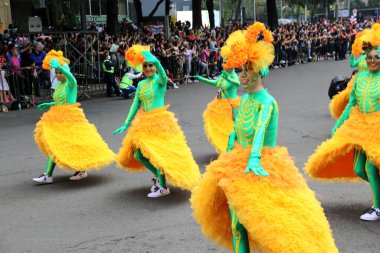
[
  {"x": 228, "y": 84},
  {"x": 65, "y": 93},
  {"x": 365, "y": 95},
  {"x": 150, "y": 94},
  {"x": 255, "y": 127}
]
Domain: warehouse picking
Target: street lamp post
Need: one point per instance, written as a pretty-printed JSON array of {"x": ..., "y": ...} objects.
[{"x": 221, "y": 13}]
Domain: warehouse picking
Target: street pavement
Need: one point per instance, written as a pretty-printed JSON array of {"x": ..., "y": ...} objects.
[{"x": 109, "y": 210}]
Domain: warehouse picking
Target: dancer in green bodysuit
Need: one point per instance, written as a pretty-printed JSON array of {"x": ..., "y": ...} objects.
[
  {"x": 155, "y": 140},
  {"x": 63, "y": 134},
  {"x": 353, "y": 151},
  {"x": 252, "y": 194}
]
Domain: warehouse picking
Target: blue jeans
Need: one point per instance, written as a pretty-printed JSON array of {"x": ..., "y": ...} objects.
[{"x": 127, "y": 92}]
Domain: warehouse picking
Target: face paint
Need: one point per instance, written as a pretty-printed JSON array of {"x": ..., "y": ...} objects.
[{"x": 248, "y": 77}]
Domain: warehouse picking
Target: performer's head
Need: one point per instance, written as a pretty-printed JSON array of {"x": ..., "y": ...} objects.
[
  {"x": 134, "y": 57},
  {"x": 249, "y": 78},
  {"x": 60, "y": 76},
  {"x": 149, "y": 69},
  {"x": 373, "y": 59},
  {"x": 58, "y": 56},
  {"x": 253, "y": 51},
  {"x": 368, "y": 42}
]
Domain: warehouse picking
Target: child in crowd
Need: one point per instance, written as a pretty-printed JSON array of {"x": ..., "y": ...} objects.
[{"x": 5, "y": 94}]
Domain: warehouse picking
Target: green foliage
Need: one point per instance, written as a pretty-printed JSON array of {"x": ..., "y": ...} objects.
[{"x": 63, "y": 12}]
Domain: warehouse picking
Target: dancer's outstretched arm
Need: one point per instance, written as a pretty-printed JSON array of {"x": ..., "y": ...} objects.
[
  {"x": 353, "y": 62},
  {"x": 132, "y": 113}
]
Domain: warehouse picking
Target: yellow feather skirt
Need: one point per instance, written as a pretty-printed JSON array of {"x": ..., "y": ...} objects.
[
  {"x": 333, "y": 160},
  {"x": 65, "y": 135},
  {"x": 279, "y": 212},
  {"x": 218, "y": 122},
  {"x": 340, "y": 100},
  {"x": 159, "y": 137}
]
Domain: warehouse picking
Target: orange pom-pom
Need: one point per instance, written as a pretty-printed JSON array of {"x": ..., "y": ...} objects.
[
  {"x": 52, "y": 54},
  {"x": 134, "y": 56}
]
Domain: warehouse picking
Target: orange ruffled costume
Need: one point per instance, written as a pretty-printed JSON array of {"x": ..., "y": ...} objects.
[
  {"x": 333, "y": 159},
  {"x": 159, "y": 137},
  {"x": 340, "y": 100},
  {"x": 218, "y": 122},
  {"x": 65, "y": 135},
  {"x": 278, "y": 206}
]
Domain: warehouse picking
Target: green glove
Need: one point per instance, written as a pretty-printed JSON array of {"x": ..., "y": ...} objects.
[
  {"x": 254, "y": 165},
  {"x": 197, "y": 77},
  {"x": 149, "y": 57},
  {"x": 45, "y": 106},
  {"x": 231, "y": 141},
  {"x": 54, "y": 63},
  {"x": 121, "y": 129}
]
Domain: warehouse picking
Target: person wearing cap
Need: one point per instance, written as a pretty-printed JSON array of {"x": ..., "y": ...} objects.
[
  {"x": 38, "y": 55},
  {"x": 353, "y": 152},
  {"x": 154, "y": 139},
  {"x": 63, "y": 133},
  {"x": 253, "y": 197}
]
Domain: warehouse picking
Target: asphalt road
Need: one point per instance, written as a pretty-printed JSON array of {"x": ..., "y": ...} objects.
[{"x": 109, "y": 210}]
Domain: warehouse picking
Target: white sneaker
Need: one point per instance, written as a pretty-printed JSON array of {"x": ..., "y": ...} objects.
[
  {"x": 159, "y": 193},
  {"x": 155, "y": 186},
  {"x": 371, "y": 214},
  {"x": 79, "y": 175},
  {"x": 175, "y": 86},
  {"x": 43, "y": 179}
]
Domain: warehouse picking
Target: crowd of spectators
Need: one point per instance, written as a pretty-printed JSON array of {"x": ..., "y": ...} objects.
[{"x": 186, "y": 52}]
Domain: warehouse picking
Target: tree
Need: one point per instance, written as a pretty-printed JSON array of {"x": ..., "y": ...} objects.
[
  {"x": 197, "y": 13},
  {"x": 112, "y": 16},
  {"x": 155, "y": 8},
  {"x": 272, "y": 14},
  {"x": 210, "y": 10},
  {"x": 62, "y": 13},
  {"x": 237, "y": 10}
]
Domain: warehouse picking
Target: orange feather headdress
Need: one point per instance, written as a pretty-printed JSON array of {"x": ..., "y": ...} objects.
[
  {"x": 52, "y": 54},
  {"x": 253, "y": 45},
  {"x": 366, "y": 39},
  {"x": 134, "y": 56}
]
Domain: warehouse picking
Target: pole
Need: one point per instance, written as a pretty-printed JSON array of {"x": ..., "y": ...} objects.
[
  {"x": 281, "y": 9},
  {"x": 243, "y": 12},
  {"x": 127, "y": 3},
  {"x": 221, "y": 13},
  {"x": 348, "y": 7},
  {"x": 89, "y": 4},
  {"x": 305, "y": 12},
  {"x": 336, "y": 9},
  {"x": 254, "y": 10}
]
